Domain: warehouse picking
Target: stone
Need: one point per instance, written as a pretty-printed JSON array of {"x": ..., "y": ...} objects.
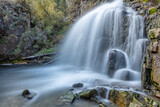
[
  {"x": 27, "y": 94},
  {"x": 77, "y": 85},
  {"x": 156, "y": 70},
  {"x": 121, "y": 98},
  {"x": 103, "y": 92},
  {"x": 155, "y": 104},
  {"x": 101, "y": 105},
  {"x": 154, "y": 33},
  {"x": 67, "y": 98},
  {"x": 117, "y": 61},
  {"x": 153, "y": 48},
  {"x": 146, "y": 78},
  {"x": 158, "y": 50},
  {"x": 149, "y": 58},
  {"x": 134, "y": 105},
  {"x": 155, "y": 91},
  {"x": 88, "y": 94},
  {"x": 131, "y": 99}
]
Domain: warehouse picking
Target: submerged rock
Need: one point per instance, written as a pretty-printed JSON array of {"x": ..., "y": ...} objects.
[{"x": 77, "y": 85}]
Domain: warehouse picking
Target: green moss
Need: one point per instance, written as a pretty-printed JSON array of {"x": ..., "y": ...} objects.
[
  {"x": 18, "y": 61},
  {"x": 137, "y": 102},
  {"x": 155, "y": 84},
  {"x": 145, "y": 0},
  {"x": 152, "y": 11},
  {"x": 152, "y": 35}
]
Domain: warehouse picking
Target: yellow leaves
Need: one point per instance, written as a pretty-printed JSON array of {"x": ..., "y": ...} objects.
[{"x": 42, "y": 8}]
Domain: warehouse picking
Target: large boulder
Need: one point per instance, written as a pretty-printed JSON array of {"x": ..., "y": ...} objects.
[{"x": 116, "y": 60}]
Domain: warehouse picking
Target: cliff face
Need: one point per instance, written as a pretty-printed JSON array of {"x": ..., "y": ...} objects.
[
  {"x": 150, "y": 9},
  {"x": 77, "y": 8},
  {"x": 30, "y": 27}
]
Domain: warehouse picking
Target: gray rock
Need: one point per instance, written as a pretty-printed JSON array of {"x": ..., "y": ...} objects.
[
  {"x": 67, "y": 98},
  {"x": 77, "y": 85},
  {"x": 27, "y": 94}
]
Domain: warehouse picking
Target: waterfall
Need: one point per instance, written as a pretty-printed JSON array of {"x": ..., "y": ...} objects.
[{"x": 109, "y": 40}]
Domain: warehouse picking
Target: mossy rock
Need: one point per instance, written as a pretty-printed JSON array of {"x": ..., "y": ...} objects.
[
  {"x": 154, "y": 33},
  {"x": 88, "y": 94},
  {"x": 101, "y": 105},
  {"x": 67, "y": 98}
]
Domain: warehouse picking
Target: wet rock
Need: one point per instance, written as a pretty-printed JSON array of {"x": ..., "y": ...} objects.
[
  {"x": 117, "y": 61},
  {"x": 155, "y": 104},
  {"x": 131, "y": 99},
  {"x": 102, "y": 92},
  {"x": 77, "y": 85},
  {"x": 101, "y": 105},
  {"x": 101, "y": 102},
  {"x": 27, "y": 94},
  {"x": 153, "y": 46},
  {"x": 155, "y": 90},
  {"x": 134, "y": 105},
  {"x": 67, "y": 98},
  {"x": 121, "y": 98},
  {"x": 88, "y": 94}
]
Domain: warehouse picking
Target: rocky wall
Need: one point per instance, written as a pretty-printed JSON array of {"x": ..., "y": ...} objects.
[
  {"x": 77, "y": 8},
  {"x": 151, "y": 64}
]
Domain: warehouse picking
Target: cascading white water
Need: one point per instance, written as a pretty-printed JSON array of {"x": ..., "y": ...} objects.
[{"x": 109, "y": 39}]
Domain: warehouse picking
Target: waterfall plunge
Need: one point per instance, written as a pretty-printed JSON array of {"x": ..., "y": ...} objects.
[{"x": 109, "y": 39}]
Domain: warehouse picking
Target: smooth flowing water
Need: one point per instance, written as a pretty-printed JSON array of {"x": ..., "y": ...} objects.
[{"x": 103, "y": 48}]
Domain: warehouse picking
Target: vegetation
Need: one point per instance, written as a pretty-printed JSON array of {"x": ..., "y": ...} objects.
[
  {"x": 46, "y": 51},
  {"x": 152, "y": 11},
  {"x": 155, "y": 1}
]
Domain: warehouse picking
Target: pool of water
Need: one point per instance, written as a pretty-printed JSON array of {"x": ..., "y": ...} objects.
[{"x": 49, "y": 83}]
